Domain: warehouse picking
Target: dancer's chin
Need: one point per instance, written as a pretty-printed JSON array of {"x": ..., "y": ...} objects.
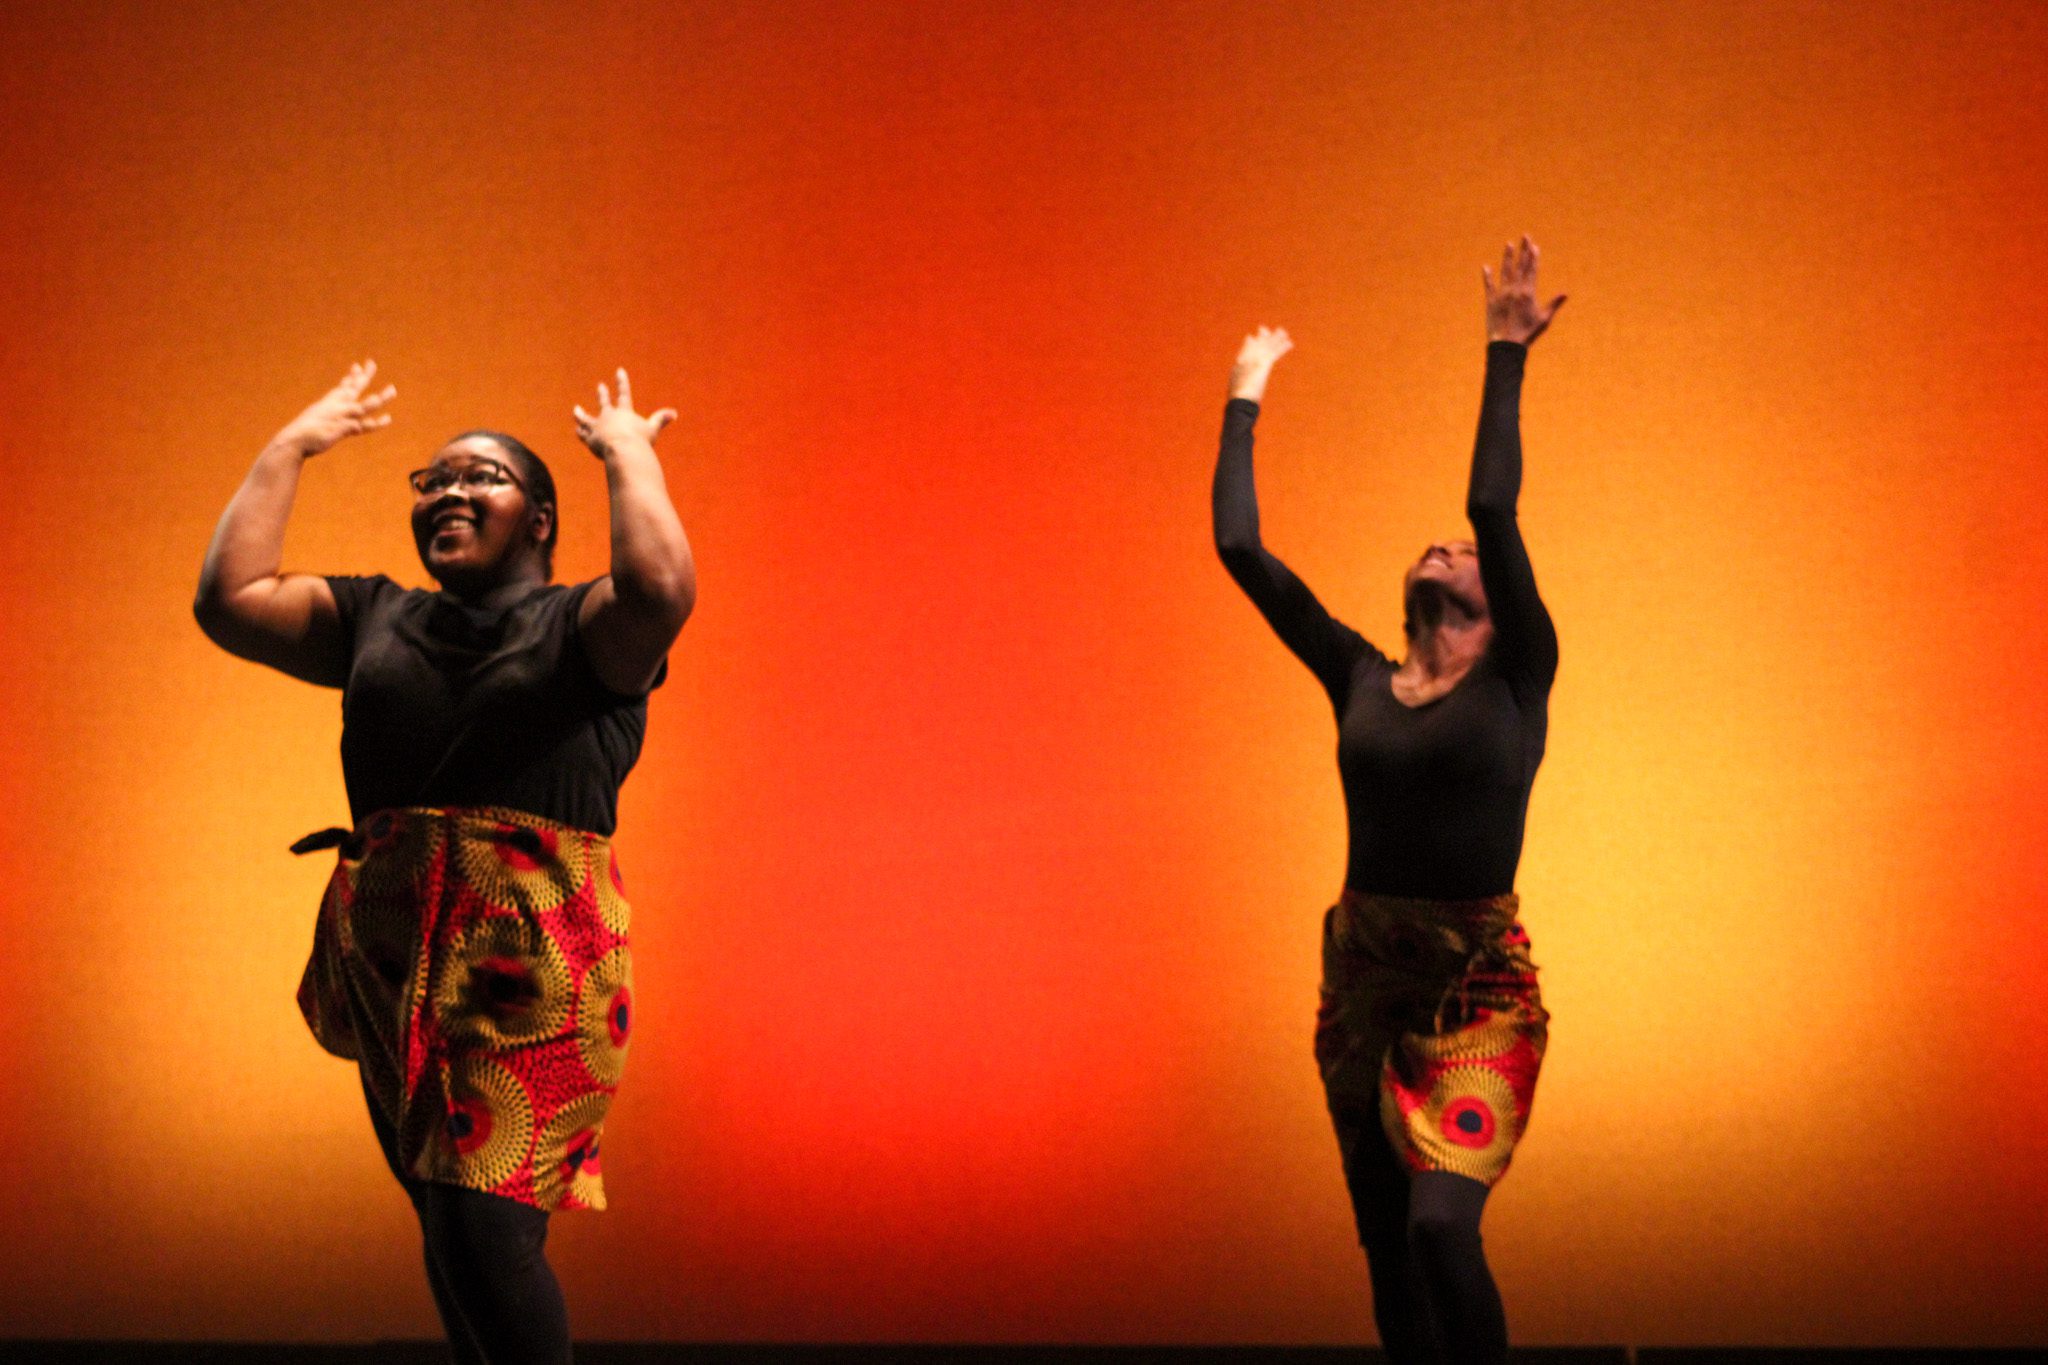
[
  {"x": 453, "y": 554},
  {"x": 1429, "y": 602},
  {"x": 454, "y": 572}
]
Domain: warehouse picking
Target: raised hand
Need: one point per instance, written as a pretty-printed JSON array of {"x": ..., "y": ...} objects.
[
  {"x": 617, "y": 423},
  {"x": 1512, "y": 312},
  {"x": 1255, "y": 360},
  {"x": 341, "y": 412}
]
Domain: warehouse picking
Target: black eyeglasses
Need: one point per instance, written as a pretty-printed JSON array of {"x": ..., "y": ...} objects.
[{"x": 480, "y": 476}]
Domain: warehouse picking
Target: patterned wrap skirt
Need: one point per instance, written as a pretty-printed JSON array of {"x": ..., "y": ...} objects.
[
  {"x": 1430, "y": 1017},
  {"x": 473, "y": 962}
]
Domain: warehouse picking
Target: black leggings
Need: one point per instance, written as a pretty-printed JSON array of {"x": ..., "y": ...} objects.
[
  {"x": 1432, "y": 1296},
  {"x": 488, "y": 1268}
]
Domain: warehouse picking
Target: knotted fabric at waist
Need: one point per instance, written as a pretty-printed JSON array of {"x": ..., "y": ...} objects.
[
  {"x": 1430, "y": 1018},
  {"x": 523, "y": 830},
  {"x": 1429, "y": 954}
]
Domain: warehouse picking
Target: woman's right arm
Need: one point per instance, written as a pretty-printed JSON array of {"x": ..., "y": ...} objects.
[
  {"x": 1326, "y": 645},
  {"x": 286, "y": 621}
]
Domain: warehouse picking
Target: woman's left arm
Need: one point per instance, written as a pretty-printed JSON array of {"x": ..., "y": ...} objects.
[
  {"x": 1523, "y": 638},
  {"x": 632, "y": 615}
]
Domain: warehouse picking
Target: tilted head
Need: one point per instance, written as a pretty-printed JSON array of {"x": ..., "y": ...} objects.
[
  {"x": 1443, "y": 585},
  {"x": 482, "y": 510}
]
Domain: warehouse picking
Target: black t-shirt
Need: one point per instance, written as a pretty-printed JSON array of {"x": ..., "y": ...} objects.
[
  {"x": 448, "y": 705},
  {"x": 1436, "y": 795}
]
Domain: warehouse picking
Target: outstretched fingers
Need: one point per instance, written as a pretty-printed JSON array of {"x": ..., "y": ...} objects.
[
  {"x": 1265, "y": 346},
  {"x": 360, "y": 413},
  {"x": 366, "y": 415},
  {"x": 1514, "y": 310},
  {"x": 615, "y": 420}
]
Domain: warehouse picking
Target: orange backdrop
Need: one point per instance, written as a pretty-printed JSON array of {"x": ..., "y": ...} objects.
[{"x": 982, "y": 831}]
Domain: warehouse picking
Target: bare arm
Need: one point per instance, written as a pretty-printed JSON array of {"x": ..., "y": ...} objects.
[
  {"x": 244, "y": 604},
  {"x": 632, "y": 615}
]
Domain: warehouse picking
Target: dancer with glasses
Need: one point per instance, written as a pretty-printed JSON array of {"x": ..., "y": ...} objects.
[
  {"x": 471, "y": 952},
  {"x": 1431, "y": 1029}
]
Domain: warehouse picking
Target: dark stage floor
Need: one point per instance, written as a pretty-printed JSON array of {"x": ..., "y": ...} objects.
[{"x": 638, "y": 1353}]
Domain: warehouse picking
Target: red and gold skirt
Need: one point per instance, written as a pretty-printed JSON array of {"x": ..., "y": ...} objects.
[
  {"x": 1430, "y": 1015},
  {"x": 473, "y": 962}
]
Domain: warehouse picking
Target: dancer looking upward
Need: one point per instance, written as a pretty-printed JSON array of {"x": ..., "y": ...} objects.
[
  {"x": 470, "y": 954},
  {"x": 1430, "y": 1030}
]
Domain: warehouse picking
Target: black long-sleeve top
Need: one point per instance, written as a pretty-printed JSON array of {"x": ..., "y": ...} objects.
[{"x": 1436, "y": 795}]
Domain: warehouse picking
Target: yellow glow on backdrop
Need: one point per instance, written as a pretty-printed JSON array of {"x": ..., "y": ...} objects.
[{"x": 982, "y": 832}]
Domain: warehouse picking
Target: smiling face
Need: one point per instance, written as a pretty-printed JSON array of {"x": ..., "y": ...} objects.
[
  {"x": 472, "y": 534},
  {"x": 1447, "y": 569}
]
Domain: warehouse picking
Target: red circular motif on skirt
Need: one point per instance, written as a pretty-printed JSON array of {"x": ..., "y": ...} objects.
[
  {"x": 469, "y": 1125},
  {"x": 619, "y": 1016},
  {"x": 524, "y": 849},
  {"x": 1468, "y": 1122},
  {"x": 579, "y": 1154},
  {"x": 506, "y": 987}
]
